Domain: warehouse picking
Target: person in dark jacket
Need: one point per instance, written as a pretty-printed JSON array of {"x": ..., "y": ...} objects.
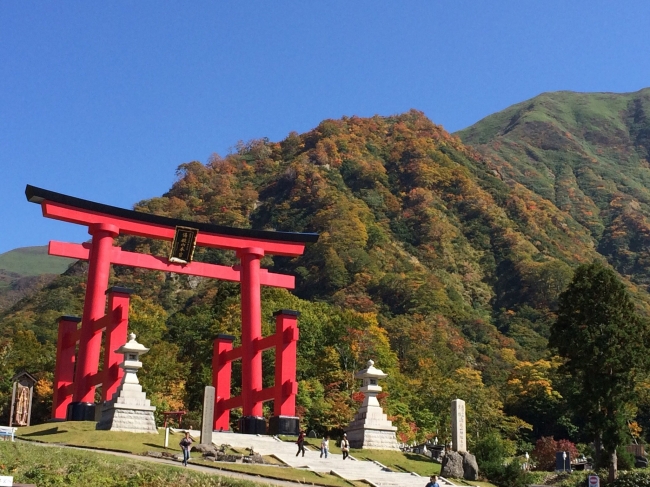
[
  {"x": 301, "y": 443},
  {"x": 186, "y": 446}
]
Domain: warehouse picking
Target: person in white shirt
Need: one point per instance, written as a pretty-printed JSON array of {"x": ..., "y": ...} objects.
[
  {"x": 325, "y": 446},
  {"x": 345, "y": 446}
]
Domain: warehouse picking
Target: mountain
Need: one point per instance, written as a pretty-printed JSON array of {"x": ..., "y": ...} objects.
[
  {"x": 26, "y": 269},
  {"x": 440, "y": 260},
  {"x": 586, "y": 153}
]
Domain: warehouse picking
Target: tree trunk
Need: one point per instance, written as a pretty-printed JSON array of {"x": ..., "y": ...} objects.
[
  {"x": 613, "y": 467},
  {"x": 598, "y": 445}
]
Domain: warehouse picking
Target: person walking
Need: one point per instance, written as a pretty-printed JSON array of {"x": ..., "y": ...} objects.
[
  {"x": 345, "y": 446},
  {"x": 186, "y": 446},
  {"x": 325, "y": 446},
  {"x": 433, "y": 481},
  {"x": 301, "y": 443}
]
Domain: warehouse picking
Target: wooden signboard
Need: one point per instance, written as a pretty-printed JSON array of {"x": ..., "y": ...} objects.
[{"x": 183, "y": 245}]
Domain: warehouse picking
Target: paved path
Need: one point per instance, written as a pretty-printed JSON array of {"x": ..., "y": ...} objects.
[{"x": 350, "y": 469}]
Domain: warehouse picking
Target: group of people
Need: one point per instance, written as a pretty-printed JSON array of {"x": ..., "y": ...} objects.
[
  {"x": 324, "y": 445},
  {"x": 186, "y": 446}
]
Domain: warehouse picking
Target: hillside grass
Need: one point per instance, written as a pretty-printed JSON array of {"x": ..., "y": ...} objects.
[
  {"x": 33, "y": 261},
  {"x": 55, "y": 466},
  {"x": 83, "y": 434}
]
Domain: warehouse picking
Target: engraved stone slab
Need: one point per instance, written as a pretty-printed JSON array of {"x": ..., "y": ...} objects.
[
  {"x": 207, "y": 419},
  {"x": 458, "y": 427}
]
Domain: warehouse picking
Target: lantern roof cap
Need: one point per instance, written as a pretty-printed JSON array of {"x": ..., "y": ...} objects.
[
  {"x": 370, "y": 372},
  {"x": 132, "y": 346}
]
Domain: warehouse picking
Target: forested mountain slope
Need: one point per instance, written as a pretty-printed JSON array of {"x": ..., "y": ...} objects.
[
  {"x": 433, "y": 260},
  {"x": 587, "y": 153},
  {"x": 25, "y": 270}
]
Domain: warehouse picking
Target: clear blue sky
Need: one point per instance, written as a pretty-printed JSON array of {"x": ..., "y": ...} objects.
[{"x": 103, "y": 100}]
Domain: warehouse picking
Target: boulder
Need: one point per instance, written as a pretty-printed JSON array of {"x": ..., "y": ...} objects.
[
  {"x": 222, "y": 457},
  {"x": 203, "y": 448},
  {"x": 452, "y": 465},
  {"x": 470, "y": 467}
]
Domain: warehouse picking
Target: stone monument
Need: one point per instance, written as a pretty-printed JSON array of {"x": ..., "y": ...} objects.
[
  {"x": 370, "y": 427},
  {"x": 129, "y": 409},
  {"x": 207, "y": 418},
  {"x": 458, "y": 429}
]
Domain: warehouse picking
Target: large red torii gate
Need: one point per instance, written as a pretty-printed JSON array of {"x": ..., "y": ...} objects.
[{"x": 106, "y": 222}]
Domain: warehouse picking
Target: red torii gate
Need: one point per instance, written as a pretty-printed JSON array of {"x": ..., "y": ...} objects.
[{"x": 106, "y": 222}]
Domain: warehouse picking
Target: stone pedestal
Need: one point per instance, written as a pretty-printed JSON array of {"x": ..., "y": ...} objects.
[
  {"x": 370, "y": 427},
  {"x": 80, "y": 411},
  {"x": 284, "y": 425},
  {"x": 252, "y": 425},
  {"x": 129, "y": 409}
]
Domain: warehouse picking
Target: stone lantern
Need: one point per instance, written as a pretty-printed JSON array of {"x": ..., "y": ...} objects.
[
  {"x": 370, "y": 427},
  {"x": 129, "y": 409}
]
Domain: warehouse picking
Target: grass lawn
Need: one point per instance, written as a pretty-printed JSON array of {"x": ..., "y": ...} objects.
[
  {"x": 52, "y": 466},
  {"x": 399, "y": 461},
  {"x": 84, "y": 434}
]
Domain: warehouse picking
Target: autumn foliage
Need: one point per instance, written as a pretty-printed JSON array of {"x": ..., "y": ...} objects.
[{"x": 441, "y": 263}]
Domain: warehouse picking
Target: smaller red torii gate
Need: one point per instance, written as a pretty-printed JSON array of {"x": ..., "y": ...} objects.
[
  {"x": 106, "y": 222},
  {"x": 283, "y": 393},
  {"x": 115, "y": 324}
]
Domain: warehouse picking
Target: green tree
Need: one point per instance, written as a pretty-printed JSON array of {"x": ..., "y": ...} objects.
[{"x": 602, "y": 340}]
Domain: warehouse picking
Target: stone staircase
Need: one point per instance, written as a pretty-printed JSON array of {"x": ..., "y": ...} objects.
[{"x": 349, "y": 469}]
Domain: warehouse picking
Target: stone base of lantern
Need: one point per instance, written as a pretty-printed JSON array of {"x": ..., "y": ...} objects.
[
  {"x": 372, "y": 429},
  {"x": 129, "y": 410},
  {"x": 117, "y": 417}
]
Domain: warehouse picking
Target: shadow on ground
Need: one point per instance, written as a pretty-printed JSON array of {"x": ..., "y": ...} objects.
[{"x": 51, "y": 431}]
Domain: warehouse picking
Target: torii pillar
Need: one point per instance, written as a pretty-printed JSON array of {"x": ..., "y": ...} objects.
[{"x": 82, "y": 407}]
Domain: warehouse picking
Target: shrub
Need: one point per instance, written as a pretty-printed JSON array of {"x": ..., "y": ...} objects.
[
  {"x": 491, "y": 448},
  {"x": 635, "y": 478},
  {"x": 510, "y": 475},
  {"x": 546, "y": 448}
]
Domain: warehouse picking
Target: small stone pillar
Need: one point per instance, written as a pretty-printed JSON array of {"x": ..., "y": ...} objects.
[
  {"x": 370, "y": 427},
  {"x": 129, "y": 409},
  {"x": 458, "y": 427}
]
